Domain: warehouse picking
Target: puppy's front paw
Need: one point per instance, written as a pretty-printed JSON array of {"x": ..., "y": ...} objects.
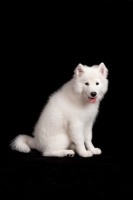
[
  {"x": 86, "y": 154},
  {"x": 96, "y": 151}
]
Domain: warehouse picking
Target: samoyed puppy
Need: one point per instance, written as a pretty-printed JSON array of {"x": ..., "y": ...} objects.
[{"x": 65, "y": 124}]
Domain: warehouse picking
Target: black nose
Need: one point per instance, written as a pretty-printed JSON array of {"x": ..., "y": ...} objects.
[{"x": 93, "y": 94}]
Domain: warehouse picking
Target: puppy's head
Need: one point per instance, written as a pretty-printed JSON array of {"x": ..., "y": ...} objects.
[{"x": 91, "y": 82}]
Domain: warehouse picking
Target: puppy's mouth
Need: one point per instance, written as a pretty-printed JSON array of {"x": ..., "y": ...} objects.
[{"x": 92, "y": 99}]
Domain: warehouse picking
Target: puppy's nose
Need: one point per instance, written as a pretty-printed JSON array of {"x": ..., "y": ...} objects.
[{"x": 93, "y": 94}]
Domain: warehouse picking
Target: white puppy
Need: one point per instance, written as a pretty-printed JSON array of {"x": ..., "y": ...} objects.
[{"x": 65, "y": 124}]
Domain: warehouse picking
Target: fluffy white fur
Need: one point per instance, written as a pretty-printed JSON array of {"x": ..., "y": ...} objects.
[{"x": 65, "y": 124}]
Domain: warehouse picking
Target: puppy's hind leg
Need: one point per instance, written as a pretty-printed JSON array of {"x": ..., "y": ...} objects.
[
  {"x": 58, "y": 147},
  {"x": 59, "y": 153}
]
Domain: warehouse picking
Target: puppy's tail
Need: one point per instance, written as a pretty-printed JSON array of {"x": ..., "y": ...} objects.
[{"x": 23, "y": 143}]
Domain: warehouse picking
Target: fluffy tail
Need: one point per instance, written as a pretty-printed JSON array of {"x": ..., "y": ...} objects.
[{"x": 23, "y": 143}]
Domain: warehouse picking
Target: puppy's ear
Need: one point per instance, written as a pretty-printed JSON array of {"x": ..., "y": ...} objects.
[
  {"x": 79, "y": 70},
  {"x": 102, "y": 68}
]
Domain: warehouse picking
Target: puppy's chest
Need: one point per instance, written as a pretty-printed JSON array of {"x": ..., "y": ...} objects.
[{"x": 88, "y": 114}]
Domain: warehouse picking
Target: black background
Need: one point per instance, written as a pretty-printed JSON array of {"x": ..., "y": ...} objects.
[{"x": 42, "y": 46}]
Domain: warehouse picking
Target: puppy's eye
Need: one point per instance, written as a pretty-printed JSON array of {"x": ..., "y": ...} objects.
[
  {"x": 87, "y": 83},
  {"x": 97, "y": 83}
]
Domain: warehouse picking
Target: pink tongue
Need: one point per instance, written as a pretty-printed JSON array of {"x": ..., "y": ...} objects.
[{"x": 92, "y": 100}]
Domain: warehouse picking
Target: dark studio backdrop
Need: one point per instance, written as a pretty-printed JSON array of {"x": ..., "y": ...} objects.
[{"x": 41, "y": 52}]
